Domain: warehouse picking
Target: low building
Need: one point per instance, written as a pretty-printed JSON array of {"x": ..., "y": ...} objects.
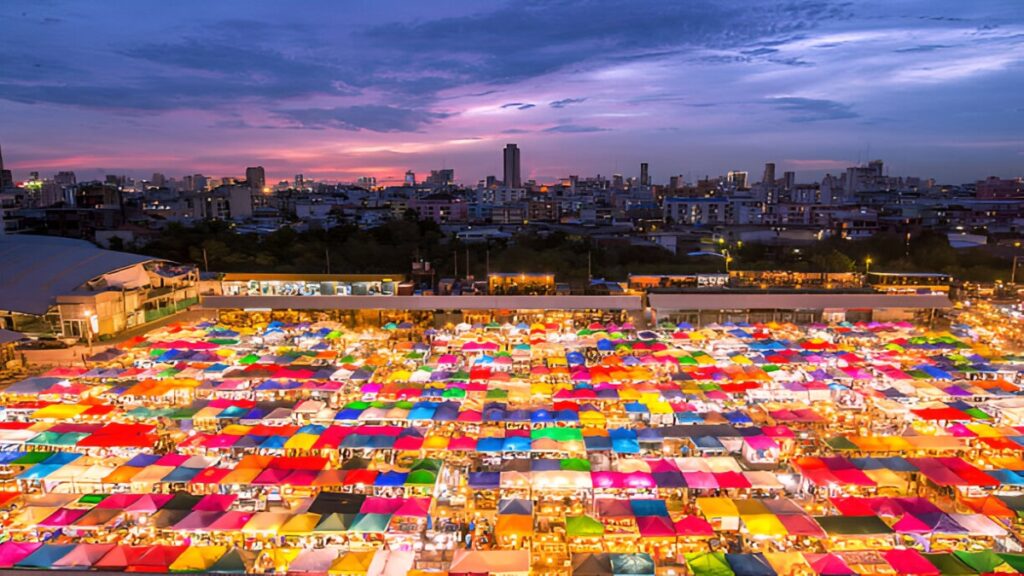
[
  {"x": 800, "y": 307},
  {"x": 73, "y": 289},
  {"x": 252, "y": 284}
]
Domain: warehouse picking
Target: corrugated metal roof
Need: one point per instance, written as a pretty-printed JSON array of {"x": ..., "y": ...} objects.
[
  {"x": 426, "y": 302},
  {"x": 34, "y": 270},
  {"x": 725, "y": 301}
]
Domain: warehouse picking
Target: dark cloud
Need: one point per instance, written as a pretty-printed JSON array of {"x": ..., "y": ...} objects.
[
  {"x": 813, "y": 110},
  {"x": 371, "y": 117},
  {"x": 574, "y": 129},
  {"x": 923, "y": 48},
  {"x": 518, "y": 105},
  {"x": 566, "y": 102},
  {"x": 515, "y": 131}
]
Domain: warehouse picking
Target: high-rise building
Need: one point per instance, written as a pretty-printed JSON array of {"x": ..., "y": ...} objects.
[
  {"x": 513, "y": 176},
  {"x": 300, "y": 182},
  {"x": 158, "y": 180},
  {"x": 256, "y": 177},
  {"x": 410, "y": 178},
  {"x": 769, "y": 174},
  {"x": 440, "y": 178},
  {"x": 65, "y": 178},
  {"x": 789, "y": 180},
  {"x": 737, "y": 178},
  {"x": 645, "y": 179}
]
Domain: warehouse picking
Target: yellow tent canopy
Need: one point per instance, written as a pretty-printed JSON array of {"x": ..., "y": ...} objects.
[
  {"x": 712, "y": 507},
  {"x": 197, "y": 558},
  {"x": 300, "y": 524}
]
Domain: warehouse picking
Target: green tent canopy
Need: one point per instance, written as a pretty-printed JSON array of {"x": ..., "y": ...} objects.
[
  {"x": 583, "y": 526},
  {"x": 708, "y": 564}
]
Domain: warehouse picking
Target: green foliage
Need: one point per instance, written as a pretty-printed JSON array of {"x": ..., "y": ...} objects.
[{"x": 392, "y": 248}]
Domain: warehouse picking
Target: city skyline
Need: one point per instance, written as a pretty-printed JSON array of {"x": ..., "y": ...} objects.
[{"x": 696, "y": 89}]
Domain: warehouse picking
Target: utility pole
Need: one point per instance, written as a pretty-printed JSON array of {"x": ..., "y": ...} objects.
[
  {"x": 487, "y": 264},
  {"x": 590, "y": 274},
  {"x": 206, "y": 264},
  {"x": 327, "y": 258},
  {"x": 1013, "y": 271},
  {"x": 467, "y": 263},
  {"x": 455, "y": 261}
]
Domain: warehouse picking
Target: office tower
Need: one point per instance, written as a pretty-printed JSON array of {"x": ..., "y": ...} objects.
[
  {"x": 513, "y": 178},
  {"x": 256, "y": 177},
  {"x": 410, "y": 178},
  {"x": 300, "y": 182},
  {"x": 769, "y": 174},
  {"x": 644, "y": 176},
  {"x": 617, "y": 182},
  {"x": 789, "y": 180},
  {"x": 158, "y": 180}
]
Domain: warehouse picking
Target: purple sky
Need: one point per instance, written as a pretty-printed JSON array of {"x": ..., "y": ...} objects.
[{"x": 337, "y": 90}]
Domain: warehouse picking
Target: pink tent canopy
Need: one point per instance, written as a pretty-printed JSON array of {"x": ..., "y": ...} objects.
[
  {"x": 83, "y": 556},
  {"x": 197, "y": 520},
  {"x": 694, "y": 526},
  {"x": 909, "y": 561},
  {"x": 230, "y": 521},
  {"x": 655, "y": 527},
  {"x": 828, "y": 565},
  {"x": 700, "y": 480},
  {"x": 149, "y": 503}
]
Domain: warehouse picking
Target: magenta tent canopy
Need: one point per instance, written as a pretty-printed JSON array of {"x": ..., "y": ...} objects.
[
  {"x": 13, "y": 552},
  {"x": 379, "y": 505},
  {"x": 62, "y": 517},
  {"x": 216, "y": 502},
  {"x": 414, "y": 507},
  {"x": 118, "y": 501}
]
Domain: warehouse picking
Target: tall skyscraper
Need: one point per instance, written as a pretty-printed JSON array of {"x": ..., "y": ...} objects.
[
  {"x": 7, "y": 178},
  {"x": 256, "y": 177},
  {"x": 410, "y": 178},
  {"x": 513, "y": 177},
  {"x": 789, "y": 179},
  {"x": 769, "y": 174},
  {"x": 645, "y": 178}
]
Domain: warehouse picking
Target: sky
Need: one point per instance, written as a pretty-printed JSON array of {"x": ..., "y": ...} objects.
[{"x": 336, "y": 90}]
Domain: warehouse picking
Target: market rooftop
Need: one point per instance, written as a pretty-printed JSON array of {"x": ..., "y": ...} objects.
[{"x": 536, "y": 446}]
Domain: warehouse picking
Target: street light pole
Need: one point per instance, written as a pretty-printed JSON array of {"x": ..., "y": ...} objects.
[
  {"x": 1013, "y": 271},
  {"x": 89, "y": 316}
]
